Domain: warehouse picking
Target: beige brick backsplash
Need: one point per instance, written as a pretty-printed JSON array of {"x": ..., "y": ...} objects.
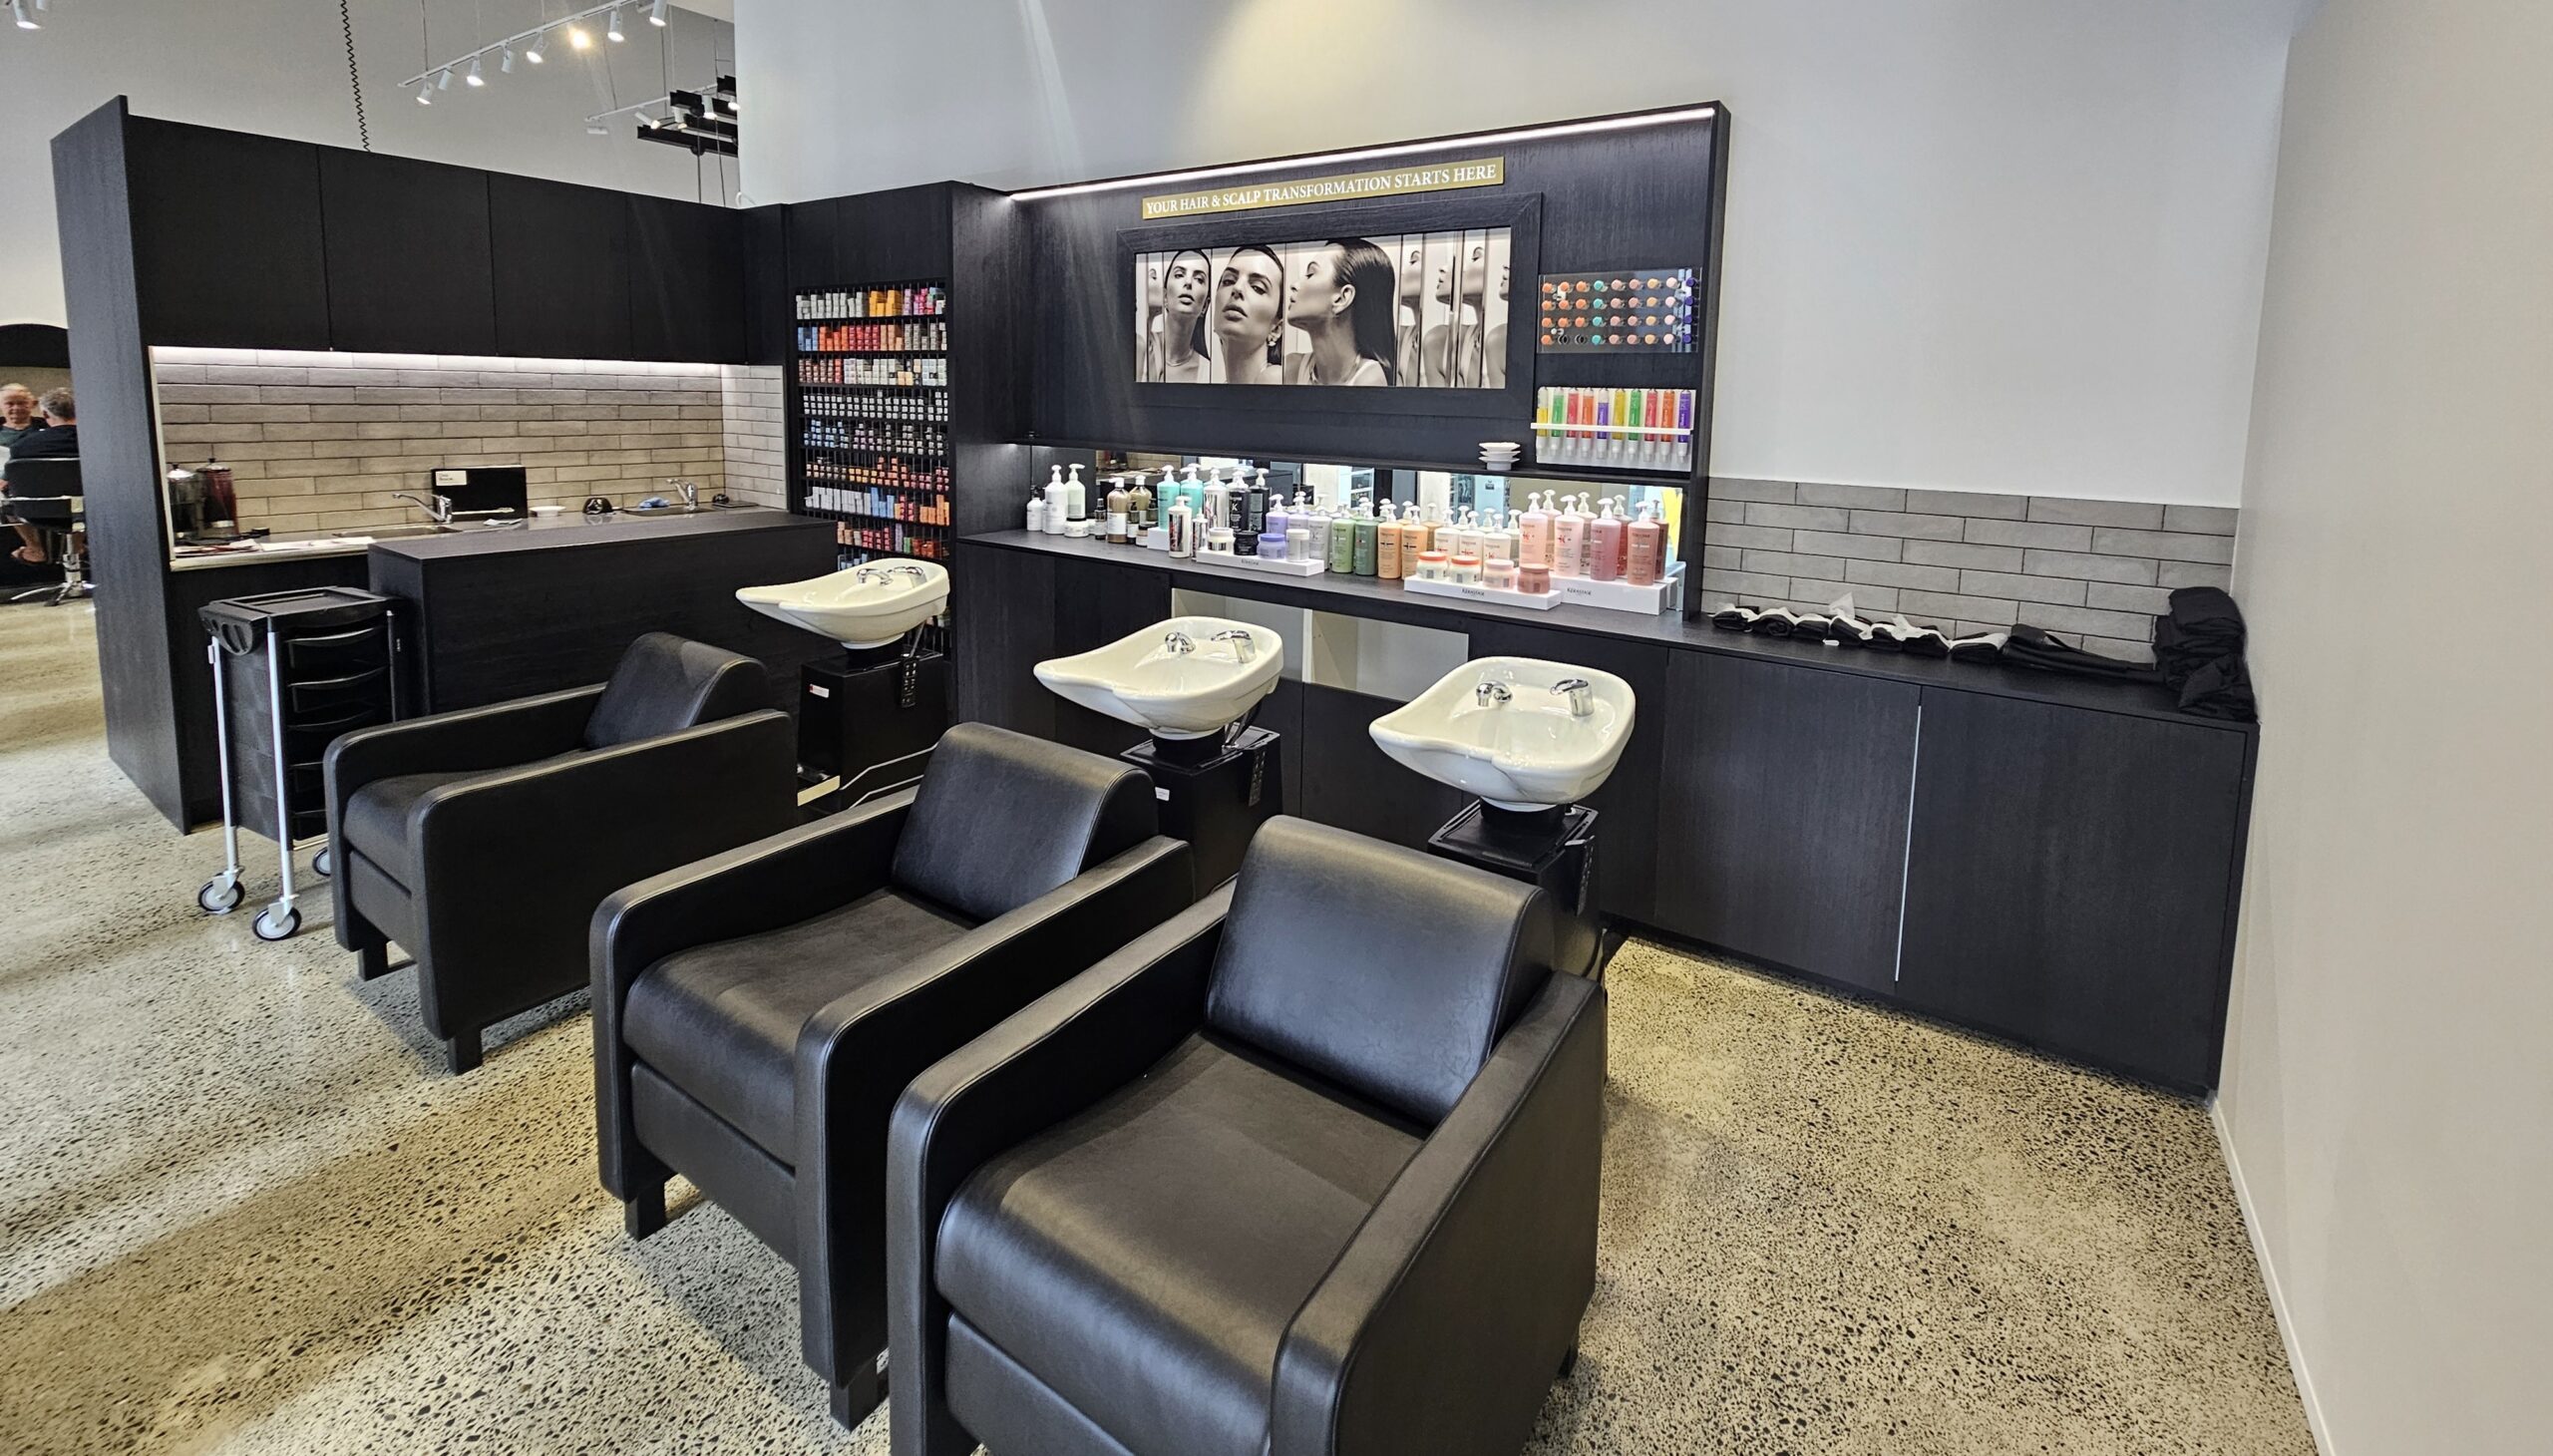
[
  {"x": 2092, "y": 572},
  {"x": 319, "y": 441}
]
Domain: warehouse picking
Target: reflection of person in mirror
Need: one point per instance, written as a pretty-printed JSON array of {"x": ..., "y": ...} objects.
[
  {"x": 1182, "y": 338},
  {"x": 1413, "y": 278},
  {"x": 1493, "y": 361},
  {"x": 1344, "y": 299},
  {"x": 1148, "y": 319},
  {"x": 1249, "y": 315},
  {"x": 1454, "y": 348}
]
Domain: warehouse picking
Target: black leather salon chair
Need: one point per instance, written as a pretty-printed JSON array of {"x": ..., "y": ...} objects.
[
  {"x": 756, "y": 1015},
  {"x": 1312, "y": 1168},
  {"x": 480, "y": 841}
]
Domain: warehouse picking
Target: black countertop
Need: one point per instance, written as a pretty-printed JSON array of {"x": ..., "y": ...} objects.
[
  {"x": 557, "y": 533},
  {"x": 1368, "y": 597}
]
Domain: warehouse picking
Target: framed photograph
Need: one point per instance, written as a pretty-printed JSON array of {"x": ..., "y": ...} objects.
[{"x": 1381, "y": 298}]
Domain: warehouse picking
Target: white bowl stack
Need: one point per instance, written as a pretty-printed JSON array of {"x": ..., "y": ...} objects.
[{"x": 1499, "y": 456}]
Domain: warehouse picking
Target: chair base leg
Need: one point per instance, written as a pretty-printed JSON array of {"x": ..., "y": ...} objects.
[
  {"x": 372, "y": 963},
  {"x": 644, "y": 1213},
  {"x": 855, "y": 1398},
  {"x": 462, "y": 1051}
]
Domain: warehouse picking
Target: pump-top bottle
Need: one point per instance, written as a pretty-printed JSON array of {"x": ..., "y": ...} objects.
[
  {"x": 1117, "y": 510},
  {"x": 1387, "y": 545},
  {"x": 1037, "y": 511},
  {"x": 1055, "y": 501},
  {"x": 1605, "y": 546},
  {"x": 1273, "y": 527},
  {"x": 1217, "y": 508},
  {"x": 1139, "y": 509},
  {"x": 1342, "y": 545},
  {"x": 1534, "y": 533},
  {"x": 1568, "y": 541},
  {"x": 1415, "y": 541},
  {"x": 1183, "y": 527},
  {"x": 1644, "y": 547},
  {"x": 1076, "y": 505},
  {"x": 1467, "y": 534},
  {"x": 1369, "y": 555},
  {"x": 1254, "y": 507}
]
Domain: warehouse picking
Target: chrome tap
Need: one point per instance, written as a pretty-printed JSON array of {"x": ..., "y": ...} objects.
[
  {"x": 1580, "y": 695},
  {"x": 690, "y": 493},
  {"x": 1486, "y": 693},
  {"x": 1245, "y": 646},
  {"x": 1179, "y": 644},
  {"x": 436, "y": 505},
  {"x": 881, "y": 574}
]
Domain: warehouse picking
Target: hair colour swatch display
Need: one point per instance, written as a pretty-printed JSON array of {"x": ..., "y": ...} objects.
[
  {"x": 1650, "y": 310},
  {"x": 1425, "y": 310}
]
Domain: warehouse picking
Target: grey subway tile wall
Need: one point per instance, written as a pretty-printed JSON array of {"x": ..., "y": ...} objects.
[
  {"x": 320, "y": 441},
  {"x": 2093, "y": 570},
  {"x": 756, "y": 455}
]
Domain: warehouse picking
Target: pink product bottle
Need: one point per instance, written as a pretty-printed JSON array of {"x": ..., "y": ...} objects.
[
  {"x": 1644, "y": 547},
  {"x": 1534, "y": 531},
  {"x": 1604, "y": 547},
  {"x": 1569, "y": 541}
]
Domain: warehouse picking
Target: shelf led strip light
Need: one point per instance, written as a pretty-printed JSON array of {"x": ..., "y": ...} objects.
[{"x": 1371, "y": 153}]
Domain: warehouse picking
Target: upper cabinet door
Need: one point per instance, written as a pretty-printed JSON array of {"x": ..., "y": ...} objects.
[
  {"x": 226, "y": 240},
  {"x": 686, "y": 281},
  {"x": 563, "y": 270},
  {"x": 1782, "y": 821},
  {"x": 2070, "y": 877},
  {"x": 408, "y": 259}
]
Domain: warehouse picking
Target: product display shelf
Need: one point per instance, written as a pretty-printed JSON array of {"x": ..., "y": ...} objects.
[{"x": 867, "y": 418}]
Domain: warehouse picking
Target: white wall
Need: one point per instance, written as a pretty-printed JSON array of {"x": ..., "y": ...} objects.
[
  {"x": 1988, "y": 244},
  {"x": 2388, "y": 1093},
  {"x": 279, "y": 67}
]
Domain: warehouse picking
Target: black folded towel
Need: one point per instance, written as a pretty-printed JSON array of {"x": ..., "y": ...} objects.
[
  {"x": 2030, "y": 646},
  {"x": 2221, "y": 689},
  {"x": 1984, "y": 647},
  {"x": 2198, "y": 652},
  {"x": 1733, "y": 618}
]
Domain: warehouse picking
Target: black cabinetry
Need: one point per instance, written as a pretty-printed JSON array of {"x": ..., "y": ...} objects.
[
  {"x": 1782, "y": 830},
  {"x": 687, "y": 296},
  {"x": 227, "y": 239},
  {"x": 410, "y": 271},
  {"x": 2071, "y": 880},
  {"x": 562, "y": 274}
]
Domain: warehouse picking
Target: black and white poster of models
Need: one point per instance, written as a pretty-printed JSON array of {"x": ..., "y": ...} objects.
[{"x": 1422, "y": 310}]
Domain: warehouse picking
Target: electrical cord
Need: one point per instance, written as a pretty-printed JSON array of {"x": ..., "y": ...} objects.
[{"x": 354, "y": 76}]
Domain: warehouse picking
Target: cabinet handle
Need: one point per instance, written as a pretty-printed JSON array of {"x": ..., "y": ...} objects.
[{"x": 1905, "y": 857}]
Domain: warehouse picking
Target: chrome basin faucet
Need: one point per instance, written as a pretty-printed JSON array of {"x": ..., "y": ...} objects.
[
  {"x": 438, "y": 507},
  {"x": 1245, "y": 646},
  {"x": 1582, "y": 696},
  {"x": 1484, "y": 694},
  {"x": 1177, "y": 643}
]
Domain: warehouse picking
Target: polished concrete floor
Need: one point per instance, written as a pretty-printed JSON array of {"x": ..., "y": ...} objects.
[{"x": 244, "y": 1210}]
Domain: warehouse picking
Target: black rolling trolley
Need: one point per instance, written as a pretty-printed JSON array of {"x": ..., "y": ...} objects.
[{"x": 291, "y": 671}]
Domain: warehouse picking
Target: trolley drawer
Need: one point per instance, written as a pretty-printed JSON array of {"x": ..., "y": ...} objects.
[
  {"x": 333, "y": 697},
  {"x": 335, "y": 654}
]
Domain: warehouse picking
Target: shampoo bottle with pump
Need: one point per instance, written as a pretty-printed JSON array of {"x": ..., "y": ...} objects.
[
  {"x": 1055, "y": 501},
  {"x": 1568, "y": 541},
  {"x": 1342, "y": 544},
  {"x": 1644, "y": 547},
  {"x": 1076, "y": 506},
  {"x": 1534, "y": 534},
  {"x": 1218, "y": 503},
  {"x": 1037, "y": 511},
  {"x": 1388, "y": 544},
  {"x": 1139, "y": 509},
  {"x": 1605, "y": 546},
  {"x": 1368, "y": 558},
  {"x": 1278, "y": 517},
  {"x": 1467, "y": 534},
  {"x": 1183, "y": 527},
  {"x": 1117, "y": 510}
]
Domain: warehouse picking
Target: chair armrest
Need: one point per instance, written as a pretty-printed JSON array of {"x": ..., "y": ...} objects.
[
  {"x": 491, "y": 737},
  {"x": 1443, "y": 1322},
  {"x": 856, "y": 1055},
  {"x": 791, "y": 875},
  {"x": 498, "y": 856},
  {"x": 1065, "y": 1052}
]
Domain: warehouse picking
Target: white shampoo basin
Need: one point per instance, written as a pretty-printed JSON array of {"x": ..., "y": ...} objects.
[
  {"x": 1187, "y": 677},
  {"x": 1520, "y": 732},
  {"x": 869, "y": 605}
]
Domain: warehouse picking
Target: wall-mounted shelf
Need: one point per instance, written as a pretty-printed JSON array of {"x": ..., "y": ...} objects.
[{"x": 867, "y": 418}]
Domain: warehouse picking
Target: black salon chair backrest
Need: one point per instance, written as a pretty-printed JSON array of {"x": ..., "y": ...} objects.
[
  {"x": 45, "y": 476},
  {"x": 666, "y": 683},
  {"x": 1388, "y": 972},
  {"x": 1003, "y": 818}
]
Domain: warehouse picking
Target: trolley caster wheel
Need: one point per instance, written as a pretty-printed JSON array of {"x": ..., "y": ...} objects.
[
  {"x": 220, "y": 896},
  {"x": 323, "y": 867},
  {"x": 269, "y": 928}
]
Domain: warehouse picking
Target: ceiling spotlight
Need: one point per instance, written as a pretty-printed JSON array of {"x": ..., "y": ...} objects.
[
  {"x": 425, "y": 93},
  {"x": 577, "y": 39},
  {"x": 506, "y": 62},
  {"x": 18, "y": 8},
  {"x": 532, "y": 52},
  {"x": 474, "y": 78},
  {"x": 656, "y": 13},
  {"x": 443, "y": 81},
  {"x": 596, "y": 128},
  {"x": 612, "y": 25}
]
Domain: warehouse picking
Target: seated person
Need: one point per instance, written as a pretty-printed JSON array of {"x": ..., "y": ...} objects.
[
  {"x": 17, "y": 414},
  {"x": 59, "y": 439}
]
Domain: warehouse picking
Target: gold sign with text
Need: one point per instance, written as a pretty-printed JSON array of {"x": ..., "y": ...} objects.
[{"x": 1485, "y": 172}]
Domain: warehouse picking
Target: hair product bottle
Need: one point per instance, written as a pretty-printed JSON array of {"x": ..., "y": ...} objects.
[
  {"x": 1278, "y": 517},
  {"x": 1037, "y": 511},
  {"x": 1254, "y": 507},
  {"x": 1644, "y": 547},
  {"x": 1534, "y": 533},
  {"x": 1368, "y": 558},
  {"x": 1387, "y": 545},
  {"x": 1568, "y": 541},
  {"x": 1605, "y": 546},
  {"x": 1219, "y": 504},
  {"x": 1139, "y": 510},
  {"x": 1183, "y": 529},
  {"x": 1415, "y": 538},
  {"x": 1117, "y": 510},
  {"x": 1342, "y": 545}
]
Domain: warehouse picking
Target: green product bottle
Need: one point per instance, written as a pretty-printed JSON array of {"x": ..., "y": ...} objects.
[
  {"x": 1342, "y": 545},
  {"x": 1364, "y": 526}
]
